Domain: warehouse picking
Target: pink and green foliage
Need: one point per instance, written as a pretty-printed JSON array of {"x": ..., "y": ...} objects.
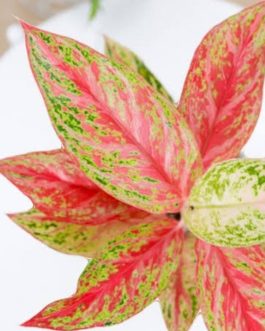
[
  {"x": 221, "y": 99},
  {"x": 69, "y": 237},
  {"x": 59, "y": 189},
  {"x": 128, "y": 190},
  {"x": 232, "y": 287},
  {"x": 179, "y": 301},
  {"x": 119, "y": 53},
  {"x": 125, "y": 136},
  {"x": 127, "y": 275}
]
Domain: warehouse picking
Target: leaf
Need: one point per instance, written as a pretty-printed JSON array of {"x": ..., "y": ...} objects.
[
  {"x": 222, "y": 95},
  {"x": 227, "y": 205},
  {"x": 125, "y": 136},
  {"x": 127, "y": 276},
  {"x": 58, "y": 188},
  {"x": 232, "y": 287},
  {"x": 71, "y": 238},
  {"x": 121, "y": 54},
  {"x": 94, "y": 8},
  {"x": 179, "y": 301}
]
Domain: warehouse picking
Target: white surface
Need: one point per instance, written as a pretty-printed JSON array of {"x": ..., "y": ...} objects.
[
  {"x": 14, "y": 33},
  {"x": 165, "y": 34}
]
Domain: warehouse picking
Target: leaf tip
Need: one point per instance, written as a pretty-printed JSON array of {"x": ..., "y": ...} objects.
[
  {"x": 107, "y": 42},
  {"x": 26, "y": 26},
  {"x": 36, "y": 321},
  {"x": 12, "y": 216},
  {"x": 3, "y": 163},
  {"x": 2, "y": 167},
  {"x": 29, "y": 323},
  {"x": 107, "y": 39}
]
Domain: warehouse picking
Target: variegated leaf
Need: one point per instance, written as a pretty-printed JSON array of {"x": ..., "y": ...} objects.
[
  {"x": 126, "y": 136},
  {"x": 227, "y": 205},
  {"x": 222, "y": 95},
  {"x": 121, "y": 54},
  {"x": 179, "y": 301},
  {"x": 58, "y": 188},
  {"x": 127, "y": 276},
  {"x": 232, "y": 287},
  {"x": 71, "y": 238}
]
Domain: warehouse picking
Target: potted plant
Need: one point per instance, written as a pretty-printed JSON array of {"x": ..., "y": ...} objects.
[{"x": 151, "y": 190}]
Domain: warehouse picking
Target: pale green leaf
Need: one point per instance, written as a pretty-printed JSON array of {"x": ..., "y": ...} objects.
[{"x": 227, "y": 205}]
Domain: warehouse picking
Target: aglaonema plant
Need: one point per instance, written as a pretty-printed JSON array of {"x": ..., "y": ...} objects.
[{"x": 152, "y": 191}]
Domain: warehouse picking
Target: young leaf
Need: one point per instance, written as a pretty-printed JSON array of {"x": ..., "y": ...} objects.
[
  {"x": 232, "y": 287},
  {"x": 227, "y": 205},
  {"x": 125, "y": 136},
  {"x": 94, "y": 8},
  {"x": 58, "y": 188},
  {"x": 71, "y": 238},
  {"x": 222, "y": 95},
  {"x": 122, "y": 54},
  {"x": 179, "y": 301},
  {"x": 127, "y": 276}
]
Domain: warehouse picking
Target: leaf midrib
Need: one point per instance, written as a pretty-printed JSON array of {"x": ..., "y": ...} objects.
[
  {"x": 228, "y": 205},
  {"x": 84, "y": 89},
  {"x": 108, "y": 284},
  {"x": 232, "y": 283}
]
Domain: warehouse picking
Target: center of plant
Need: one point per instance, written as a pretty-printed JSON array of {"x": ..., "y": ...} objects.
[{"x": 175, "y": 216}]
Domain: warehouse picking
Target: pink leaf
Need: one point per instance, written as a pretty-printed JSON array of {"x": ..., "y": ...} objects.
[
  {"x": 125, "y": 135},
  {"x": 232, "y": 287},
  {"x": 58, "y": 188},
  {"x": 222, "y": 95},
  {"x": 179, "y": 301},
  {"x": 127, "y": 276}
]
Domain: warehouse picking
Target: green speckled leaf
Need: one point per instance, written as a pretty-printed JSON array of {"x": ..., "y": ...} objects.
[
  {"x": 126, "y": 137},
  {"x": 129, "y": 274},
  {"x": 71, "y": 238},
  {"x": 119, "y": 53},
  {"x": 179, "y": 301},
  {"x": 227, "y": 205}
]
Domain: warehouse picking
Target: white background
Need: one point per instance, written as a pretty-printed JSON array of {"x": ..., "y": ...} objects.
[{"x": 165, "y": 34}]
